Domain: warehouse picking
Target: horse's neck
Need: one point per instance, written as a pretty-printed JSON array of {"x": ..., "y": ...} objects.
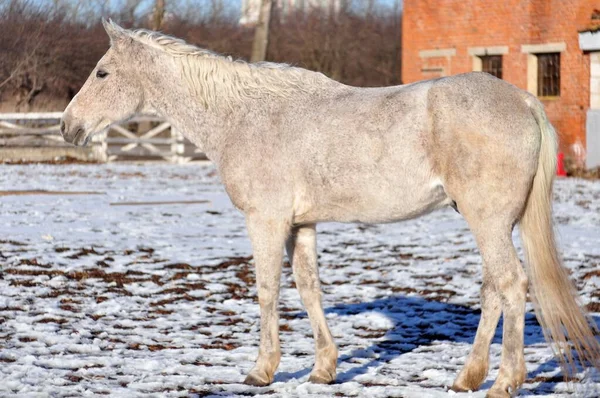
[
  {"x": 204, "y": 126},
  {"x": 196, "y": 124},
  {"x": 208, "y": 123}
]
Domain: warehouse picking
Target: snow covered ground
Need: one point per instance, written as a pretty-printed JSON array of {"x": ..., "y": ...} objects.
[{"x": 159, "y": 300}]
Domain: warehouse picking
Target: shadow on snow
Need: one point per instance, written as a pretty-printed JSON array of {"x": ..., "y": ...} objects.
[{"x": 419, "y": 322}]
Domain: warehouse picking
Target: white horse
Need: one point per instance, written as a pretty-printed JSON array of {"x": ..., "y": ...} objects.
[{"x": 295, "y": 148}]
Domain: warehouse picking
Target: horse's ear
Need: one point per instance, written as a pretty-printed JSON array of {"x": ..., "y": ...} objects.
[{"x": 114, "y": 31}]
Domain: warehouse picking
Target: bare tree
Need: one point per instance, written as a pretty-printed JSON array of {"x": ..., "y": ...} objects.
[
  {"x": 49, "y": 48},
  {"x": 128, "y": 11},
  {"x": 397, "y": 62},
  {"x": 158, "y": 15},
  {"x": 261, "y": 34}
]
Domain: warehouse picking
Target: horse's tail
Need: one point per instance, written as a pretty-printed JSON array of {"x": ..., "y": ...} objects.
[{"x": 564, "y": 322}]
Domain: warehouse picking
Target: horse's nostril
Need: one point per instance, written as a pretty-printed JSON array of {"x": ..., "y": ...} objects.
[
  {"x": 63, "y": 127},
  {"x": 78, "y": 138}
]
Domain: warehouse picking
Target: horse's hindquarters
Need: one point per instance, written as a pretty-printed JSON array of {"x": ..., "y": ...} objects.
[{"x": 485, "y": 145}]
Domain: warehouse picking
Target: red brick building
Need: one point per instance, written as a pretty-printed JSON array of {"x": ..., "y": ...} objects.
[{"x": 534, "y": 44}]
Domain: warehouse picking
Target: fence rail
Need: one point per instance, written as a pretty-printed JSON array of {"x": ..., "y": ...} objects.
[{"x": 143, "y": 137}]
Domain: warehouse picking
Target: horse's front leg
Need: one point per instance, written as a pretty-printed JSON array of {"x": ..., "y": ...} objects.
[
  {"x": 268, "y": 237},
  {"x": 302, "y": 252}
]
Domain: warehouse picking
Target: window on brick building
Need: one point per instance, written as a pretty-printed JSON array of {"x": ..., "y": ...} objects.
[
  {"x": 548, "y": 78},
  {"x": 492, "y": 64}
]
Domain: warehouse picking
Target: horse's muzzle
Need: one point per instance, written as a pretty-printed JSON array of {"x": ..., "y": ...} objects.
[{"x": 73, "y": 135}]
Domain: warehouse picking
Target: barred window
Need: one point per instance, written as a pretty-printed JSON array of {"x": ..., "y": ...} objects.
[
  {"x": 548, "y": 84},
  {"x": 492, "y": 64}
]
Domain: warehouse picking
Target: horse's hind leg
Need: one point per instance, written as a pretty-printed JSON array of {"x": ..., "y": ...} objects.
[
  {"x": 504, "y": 289},
  {"x": 511, "y": 284},
  {"x": 301, "y": 249},
  {"x": 485, "y": 143},
  {"x": 492, "y": 208},
  {"x": 492, "y": 204},
  {"x": 477, "y": 364}
]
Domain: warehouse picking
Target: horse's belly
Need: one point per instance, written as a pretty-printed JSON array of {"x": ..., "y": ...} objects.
[{"x": 373, "y": 203}]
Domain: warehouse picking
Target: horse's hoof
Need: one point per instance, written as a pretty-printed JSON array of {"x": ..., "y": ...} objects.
[
  {"x": 459, "y": 388},
  {"x": 471, "y": 377},
  {"x": 253, "y": 380},
  {"x": 321, "y": 377},
  {"x": 466, "y": 384},
  {"x": 498, "y": 393},
  {"x": 505, "y": 387}
]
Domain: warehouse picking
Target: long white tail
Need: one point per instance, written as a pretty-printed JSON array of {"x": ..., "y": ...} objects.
[{"x": 564, "y": 322}]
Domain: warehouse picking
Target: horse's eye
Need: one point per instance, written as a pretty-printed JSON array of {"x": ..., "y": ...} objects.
[{"x": 101, "y": 74}]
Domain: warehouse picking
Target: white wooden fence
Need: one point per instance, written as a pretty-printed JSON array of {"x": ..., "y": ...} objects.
[{"x": 144, "y": 137}]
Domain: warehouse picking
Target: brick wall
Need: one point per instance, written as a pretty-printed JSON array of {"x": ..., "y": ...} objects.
[{"x": 504, "y": 26}]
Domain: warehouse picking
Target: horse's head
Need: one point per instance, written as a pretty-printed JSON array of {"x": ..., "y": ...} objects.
[{"x": 112, "y": 93}]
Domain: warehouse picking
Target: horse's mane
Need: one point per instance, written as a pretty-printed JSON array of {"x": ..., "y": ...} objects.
[{"x": 217, "y": 78}]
